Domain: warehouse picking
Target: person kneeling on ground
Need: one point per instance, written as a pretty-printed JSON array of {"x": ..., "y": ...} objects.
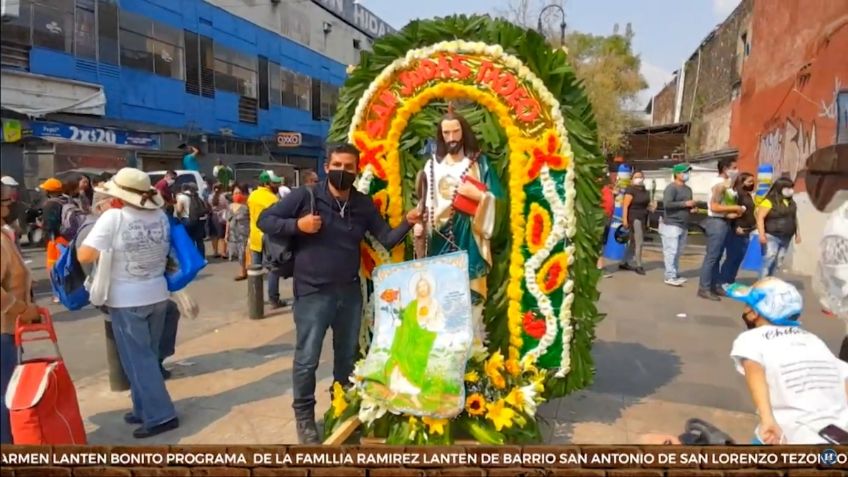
[{"x": 798, "y": 386}]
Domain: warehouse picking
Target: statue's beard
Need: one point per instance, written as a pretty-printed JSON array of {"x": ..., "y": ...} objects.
[{"x": 454, "y": 147}]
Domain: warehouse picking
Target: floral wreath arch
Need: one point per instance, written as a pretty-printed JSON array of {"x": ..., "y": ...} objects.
[
  {"x": 540, "y": 157},
  {"x": 541, "y": 308}
]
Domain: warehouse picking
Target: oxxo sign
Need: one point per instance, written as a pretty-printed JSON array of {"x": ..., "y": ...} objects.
[{"x": 289, "y": 139}]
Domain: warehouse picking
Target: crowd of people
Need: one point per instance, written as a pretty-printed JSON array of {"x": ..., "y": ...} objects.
[{"x": 131, "y": 218}]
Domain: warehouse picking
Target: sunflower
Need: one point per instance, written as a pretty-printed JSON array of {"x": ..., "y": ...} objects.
[
  {"x": 500, "y": 415},
  {"x": 475, "y": 405}
]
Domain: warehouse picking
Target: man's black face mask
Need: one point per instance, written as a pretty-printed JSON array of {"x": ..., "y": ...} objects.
[{"x": 341, "y": 179}]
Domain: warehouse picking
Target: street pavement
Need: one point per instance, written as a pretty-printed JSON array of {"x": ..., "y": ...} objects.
[{"x": 661, "y": 356}]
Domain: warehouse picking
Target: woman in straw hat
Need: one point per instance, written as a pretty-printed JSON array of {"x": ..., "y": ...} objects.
[{"x": 138, "y": 232}]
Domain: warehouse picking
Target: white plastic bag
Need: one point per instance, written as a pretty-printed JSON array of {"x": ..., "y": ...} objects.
[{"x": 98, "y": 282}]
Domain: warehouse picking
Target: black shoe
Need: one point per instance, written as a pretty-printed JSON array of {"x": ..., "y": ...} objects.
[
  {"x": 143, "y": 432},
  {"x": 625, "y": 266},
  {"x": 640, "y": 270},
  {"x": 131, "y": 418},
  {"x": 718, "y": 291},
  {"x": 307, "y": 432},
  {"x": 708, "y": 295}
]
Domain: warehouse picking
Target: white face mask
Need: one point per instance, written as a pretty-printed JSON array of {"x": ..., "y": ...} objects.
[
  {"x": 686, "y": 177},
  {"x": 638, "y": 181},
  {"x": 732, "y": 173},
  {"x": 787, "y": 192}
]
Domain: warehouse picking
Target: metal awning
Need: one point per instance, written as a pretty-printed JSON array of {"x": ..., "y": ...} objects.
[{"x": 38, "y": 95}]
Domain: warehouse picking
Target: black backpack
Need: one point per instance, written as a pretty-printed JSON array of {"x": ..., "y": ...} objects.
[
  {"x": 278, "y": 251},
  {"x": 197, "y": 209}
]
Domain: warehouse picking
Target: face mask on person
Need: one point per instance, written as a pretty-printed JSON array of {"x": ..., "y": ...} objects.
[
  {"x": 341, "y": 179},
  {"x": 685, "y": 177},
  {"x": 239, "y": 198},
  {"x": 169, "y": 181},
  {"x": 787, "y": 192},
  {"x": 638, "y": 181},
  {"x": 732, "y": 174}
]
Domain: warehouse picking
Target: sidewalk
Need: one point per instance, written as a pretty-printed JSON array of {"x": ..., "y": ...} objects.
[{"x": 655, "y": 370}]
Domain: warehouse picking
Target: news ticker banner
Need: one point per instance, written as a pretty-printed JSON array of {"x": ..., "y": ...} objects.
[{"x": 768, "y": 461}]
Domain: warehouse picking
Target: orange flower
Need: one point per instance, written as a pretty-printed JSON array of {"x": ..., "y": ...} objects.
[
  {"x": 550, "y": 156},
  {"x": 538, "y": 227},
  {"x": 553, "y": 273},
  {"x": 390, "y": 295}
]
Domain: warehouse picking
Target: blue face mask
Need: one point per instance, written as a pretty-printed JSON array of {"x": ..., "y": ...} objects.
[{"x": 685, "y": 177}]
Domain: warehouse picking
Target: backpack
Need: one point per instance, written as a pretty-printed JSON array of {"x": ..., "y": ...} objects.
[
  {"x": 196, "y": 209},
  {"x": 68, "y": 277},
  {"x": 71, "y": 219},
  {"x": 278, "y": 251}
]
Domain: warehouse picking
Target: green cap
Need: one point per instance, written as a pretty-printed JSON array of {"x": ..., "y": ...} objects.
[
  {"x": 681, "y": 168},
  {"x": 267, "y": 177}
]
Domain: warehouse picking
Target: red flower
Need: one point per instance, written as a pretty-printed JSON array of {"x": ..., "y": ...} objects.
[
  {"x": 553, "y": 276},
  {"x": 367, "y": 261},
  {"x": 370, "y": 155},
  {"x": 390, "y": 295},
  {"x": 533, "y": 326},
  {"x": 549, "y": 156}
]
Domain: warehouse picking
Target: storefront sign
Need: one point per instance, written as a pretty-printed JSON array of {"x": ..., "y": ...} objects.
[
  {"x": 358, "y": 16},
  {"x": 11, "y": 130},
  {"x": 289, "y": 139},
  {"x": 94, "y": 136}
]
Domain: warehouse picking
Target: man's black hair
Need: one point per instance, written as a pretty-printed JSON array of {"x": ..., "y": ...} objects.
[
  {"x": 342, "y": 148},
  {"x": 469, "y": 140},
  {"x": 724, "y": 163}
]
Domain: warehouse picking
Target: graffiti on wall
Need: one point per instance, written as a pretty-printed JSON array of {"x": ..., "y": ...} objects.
[
  {"x": 828, "y": 110},
  {"x": 788, "y": 146}
]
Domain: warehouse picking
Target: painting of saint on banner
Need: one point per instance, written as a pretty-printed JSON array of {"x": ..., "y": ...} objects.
[{"x": 422, "y": 336}]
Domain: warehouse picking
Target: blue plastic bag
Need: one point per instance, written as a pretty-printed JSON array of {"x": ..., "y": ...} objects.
[
  {"x": 68, "y": 279},
  {"x": 184, "y": 260}
]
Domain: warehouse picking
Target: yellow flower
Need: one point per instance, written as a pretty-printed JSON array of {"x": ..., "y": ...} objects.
[
  {"x": 472, "y": 377},
  {"x": 475, "y": 405},
  {"x": 413, "y": 422},
  {"x": 500, "y": 415},
  {"x": 435, "y": 426},
  {"x": 493, "y": 368},
  {"x": 339, "y": 403},
  {"x": 513, "y": 367},
  {"x": 515, "y": 398}
]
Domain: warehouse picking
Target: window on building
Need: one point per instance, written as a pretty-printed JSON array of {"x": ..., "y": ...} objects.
[
  {"x": 275, "y": 84},
  {"x": 329, "y": 99},
  {"x": 263, "y": 82},
  {"x": 316, "y": 99},
  {"x": 303, "y": 92},
  {"x": 842, "y": 117},
  {"x": 19, "y": 30},
  {"x": 287, "y": 87},
  {"x": 53, "y": 25},
  {"x": 235, "y": 72},
  {"x": 151, "y": 46},
  {"x": 107, "y": 31},
  {"x": 85, "y": 34},
  {"x": 357, "y": 44}
]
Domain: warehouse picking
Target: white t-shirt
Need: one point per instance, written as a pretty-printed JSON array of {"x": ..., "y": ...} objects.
[
  {"x": 806, "y": 381},
  {"x": 142, "y": 239},
  {"x": 184, "y": 202},
  {"x": 284, "y": 191},
  {"x": 713, "y": 183}
]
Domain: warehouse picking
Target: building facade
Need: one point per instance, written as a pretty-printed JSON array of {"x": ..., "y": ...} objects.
[
  {"x": 767, "y": 86},
  {"x": 106, "y": 83}
]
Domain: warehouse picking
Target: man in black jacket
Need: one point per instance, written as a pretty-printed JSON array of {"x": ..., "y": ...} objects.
[{"x": 326, "y": 271}]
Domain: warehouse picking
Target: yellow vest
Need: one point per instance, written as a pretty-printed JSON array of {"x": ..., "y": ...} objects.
[{"x": 257, "y": 201}]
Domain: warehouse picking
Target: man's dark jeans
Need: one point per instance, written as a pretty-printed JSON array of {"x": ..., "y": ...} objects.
[
  {"x": 716, "y": 229},
  {"x": 272, "y": 276},
  {"x": 339, "y": 308},
  {"x": 736, "y": 246},
  {"x": 197, "y": 232}
]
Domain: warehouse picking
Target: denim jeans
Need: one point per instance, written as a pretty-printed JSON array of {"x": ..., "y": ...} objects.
[
  {"x": 8, "y": 361},
  {"x": 168, "y": 342},
  {"x": 715, "y": 228},
  {"x": 138, "y": 331},
  {"x": 736, "y": 246},
  {"x": 272, "y": 276},
  {"x": 673, "y": 243},
  {"x": 773, "y": 253},
  {"x": 339, "y": 308}
]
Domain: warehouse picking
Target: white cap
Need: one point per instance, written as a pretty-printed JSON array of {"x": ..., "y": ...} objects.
[{"x": 9, "y": 181}]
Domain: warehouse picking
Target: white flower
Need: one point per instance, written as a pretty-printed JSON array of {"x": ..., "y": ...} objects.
[
  {"x": 528, "y": 398},
  {"x": 370, "y": 410}
]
